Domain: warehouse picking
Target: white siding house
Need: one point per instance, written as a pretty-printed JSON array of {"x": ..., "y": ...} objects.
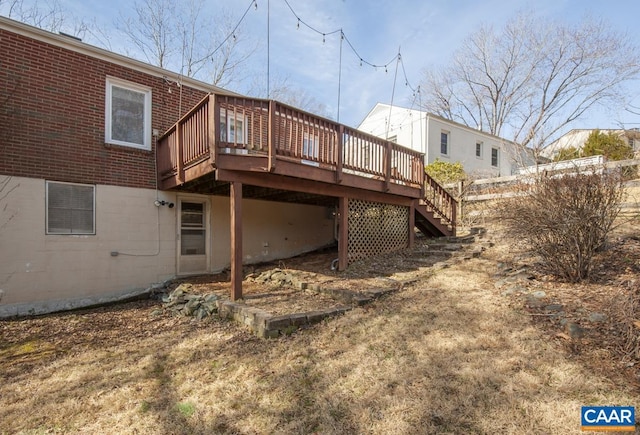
[{"x": 482, "y": 155}]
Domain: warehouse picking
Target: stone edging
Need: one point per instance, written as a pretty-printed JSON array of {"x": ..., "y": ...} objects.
[{"x": 267, "y": 325}]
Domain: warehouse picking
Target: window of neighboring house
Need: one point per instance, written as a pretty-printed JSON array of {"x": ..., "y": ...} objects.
[
  {"x": 444, "y": 143},
  {"x": 233, "y": 127},
  {"x": 494, "y": 157},
  {"x": 632, "y": 144},
  {"x": 70, "y": 208},
  {"x": 310, "y": 145},
  {"x": 128, "y": 114},
  {"x": 479, "y": 149}
]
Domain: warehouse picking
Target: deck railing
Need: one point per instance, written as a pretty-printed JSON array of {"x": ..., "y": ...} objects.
[
  {"x": 221, "y": 124},
  {"x": 439, "y": 201},
  {"x": 262, "y": 127}
]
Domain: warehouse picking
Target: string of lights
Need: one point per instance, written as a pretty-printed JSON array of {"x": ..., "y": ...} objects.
[
  {"x": 232, "y": 34},
  {"x": 343, "y": 37}
]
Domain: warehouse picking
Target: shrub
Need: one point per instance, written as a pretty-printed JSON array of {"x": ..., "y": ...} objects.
[
  {"x": 565, "y": 220},
  {"x": 610, "y": 145},
  {"x": 445, "y": 172}
]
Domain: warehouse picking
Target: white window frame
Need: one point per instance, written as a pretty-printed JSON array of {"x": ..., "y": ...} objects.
[
  {"x": 497, "y": 150},
  {"x": 480, "y": 146},
  {"x": 229, "y": 118},
  {"x": 48, "y": 231},
  {"x": 146, "y": 91},
  {"x": 448, "y": 144}
]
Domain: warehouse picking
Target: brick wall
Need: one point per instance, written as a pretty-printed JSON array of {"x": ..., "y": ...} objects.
[{"x": 52, "y": 115}]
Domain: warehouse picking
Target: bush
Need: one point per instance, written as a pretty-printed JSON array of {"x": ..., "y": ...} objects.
[
  {"x": 565, "y": 220},
  {"x": 445, "y": 172},
  {"x": 608, "y": 144}
]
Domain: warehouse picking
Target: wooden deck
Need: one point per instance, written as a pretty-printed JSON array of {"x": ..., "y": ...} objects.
[{"x": 225, "y": 142}]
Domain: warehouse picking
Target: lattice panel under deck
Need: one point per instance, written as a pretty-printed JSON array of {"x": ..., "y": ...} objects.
[{"x": 376, "y": 228}]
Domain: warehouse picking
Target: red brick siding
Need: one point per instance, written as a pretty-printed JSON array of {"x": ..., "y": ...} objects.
[{"x": 52, "y": 115}]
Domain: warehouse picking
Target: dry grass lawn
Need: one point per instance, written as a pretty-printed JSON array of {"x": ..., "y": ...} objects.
[{"x": 446, "y": 354}]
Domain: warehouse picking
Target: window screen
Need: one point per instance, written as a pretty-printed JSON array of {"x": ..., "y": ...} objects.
[
  {"x": 70, "y": 208},
  {"x": 127, "y": 115}
]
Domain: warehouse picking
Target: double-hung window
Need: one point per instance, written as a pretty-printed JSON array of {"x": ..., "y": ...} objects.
[
  {"x": 444, "y": 143},
  {"x": 233, "y": 127},
  {"x": 494, "y": 157},
  {"x": 128, "y": 114},
  {"x": 479, "y": 149},
  {"x": 70, "y": 208}
]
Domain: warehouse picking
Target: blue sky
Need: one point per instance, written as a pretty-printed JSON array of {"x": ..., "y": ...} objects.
[{"x": 427, "y": 33}]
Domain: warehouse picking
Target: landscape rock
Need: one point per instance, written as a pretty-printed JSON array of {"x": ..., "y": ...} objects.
[
  {"x": 574, "y": 330},
  {"x": 597, "y": 317},
  {"x": 179, "y": 302}
]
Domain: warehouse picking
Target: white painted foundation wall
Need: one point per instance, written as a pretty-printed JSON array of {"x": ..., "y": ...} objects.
[{"x": 42, "y": 273}]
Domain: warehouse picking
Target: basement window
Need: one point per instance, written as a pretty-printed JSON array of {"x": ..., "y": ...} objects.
[
  {"x": 70, "y": 208},
  {"x": 128, "y": 114}
]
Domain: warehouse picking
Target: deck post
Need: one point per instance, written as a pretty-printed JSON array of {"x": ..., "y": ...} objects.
[
  {"x": 343, "y": 232},
  {"x": 236, "y": 240},
  {"x": 271, "y": 132},
  {"x": 214, "y": 122},
  {"x": 179, "y": 154},
  {"x": 387, "y": 165},
  {"x": 340, "y": 154},
  {"x": 412, "y": 223}
]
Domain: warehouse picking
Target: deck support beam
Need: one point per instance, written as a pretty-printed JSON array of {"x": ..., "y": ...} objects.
[
  {"x": 412, "y": 223},
  {"x": 236, "y": 240},
  {"x": 343, "y": 232}
]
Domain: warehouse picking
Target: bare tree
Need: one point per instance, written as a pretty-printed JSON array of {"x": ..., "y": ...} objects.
[
  {"x": 172, "y": 34},
  {"x": 281, "y": 89},
  {"x": 49, "y": 15},
  {"x": 528, "y": 82}
]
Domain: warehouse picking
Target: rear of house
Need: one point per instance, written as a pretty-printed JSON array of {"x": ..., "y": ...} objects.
[{"x": 82, "y": 220}]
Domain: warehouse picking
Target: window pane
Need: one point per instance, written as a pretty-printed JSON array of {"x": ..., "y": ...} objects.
[
  {"x": 70, "y": 209},
  {"x": 239, "y": 131},
  {"x": 494, "y": 157},
  {"x": 127, "y": 115},
  {"x": 444, "y": 143},
  {"x": 192, "y": 242}
]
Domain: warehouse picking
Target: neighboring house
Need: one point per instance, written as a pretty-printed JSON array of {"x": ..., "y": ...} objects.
[
  {"x": 482, "y": 155},
  {"x": 115, "y": 175},
  {"x": 576, "y": 138}
]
